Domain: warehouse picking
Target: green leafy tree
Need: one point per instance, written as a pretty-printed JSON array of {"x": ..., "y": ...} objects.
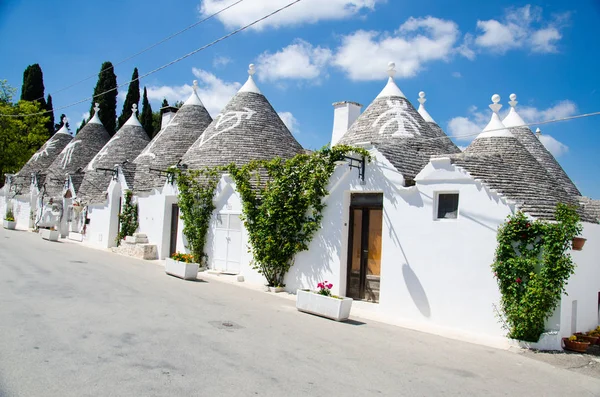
[
  {"x": 105, "y": 93},
  {"x": 33, "y": 85},
  {"x": 156, "y": 122},
  {"x": 20, "y": 137},
  {"x": 133, "y": 97},
  {"x": 146, "y": 118},
  {"x": 128, "y": 218},
  {"x": 50, "y": 114}
]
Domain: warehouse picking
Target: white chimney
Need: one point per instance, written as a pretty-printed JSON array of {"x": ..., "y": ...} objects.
[
  {"x": 168, "y": 112},
  {"x": 344, "y": 115}
]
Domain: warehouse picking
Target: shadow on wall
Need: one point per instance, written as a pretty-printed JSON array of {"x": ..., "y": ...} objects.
[
  {"x": 416, "y": 290},
  {"x": 326, "y": 246}
]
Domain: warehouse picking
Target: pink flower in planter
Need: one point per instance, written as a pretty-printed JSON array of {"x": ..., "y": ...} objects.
[{"x": 324, "y": 288}]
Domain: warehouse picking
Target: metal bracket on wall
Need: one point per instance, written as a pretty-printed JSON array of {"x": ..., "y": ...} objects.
[
  {"x": 359, "y": 164},
  {"x": 113, "y": 171}
]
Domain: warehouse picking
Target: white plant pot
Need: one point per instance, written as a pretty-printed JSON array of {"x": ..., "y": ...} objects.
[
  {"x": 50, "y": 235},
  {"x": 186, "y": 271},
  {"x": 10, "y": 225},
  {"x": 324, "y": 306}
]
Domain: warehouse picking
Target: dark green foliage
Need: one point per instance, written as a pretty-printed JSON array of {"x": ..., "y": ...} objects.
[
  {"x": 133, "y": 97},
  {"x": 282, "y": 213},
  {"x": 107, "y": 86},
  {"x": 532, "y": 266},
  {"x": 196, "y": 191},
  {"x": 128, "y": 218},
  {"x": 146, "y": 118},
  {"x": 33, "y": 85},
  {"x": 83, "y": 123},
  {"x": 50, "y": 109},
  {"x": 156, "y": 123},
  {"x": 60, "y": 123},
  {"x": 165, "y": 103}
]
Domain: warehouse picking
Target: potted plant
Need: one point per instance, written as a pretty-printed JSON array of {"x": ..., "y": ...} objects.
[
  {"x": 77, "y": 206},
  {"x": 576, "y": 344},
  {"x": 182, "y": 265},
  {"x": 578, "y": 243},
  {"x": 323, "y": 303},
  {"x": 9, "y": 220},
  {"x": 49, "y": 234}
]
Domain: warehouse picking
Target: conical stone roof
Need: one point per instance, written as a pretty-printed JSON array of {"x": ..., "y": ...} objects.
[
  {"x": 498, "y": 159},
  {"x": 43, "y": 158},
  {"x": 445, "y": 141},
  {"x": 247, "y": 129},
  {"x": 398, "y": 131},
  {"x": 77, "y": 154},
  {"x": 124, "y": 146},
  {"x": 537, "y": 148},
  {"x": 171, "y": 143}
]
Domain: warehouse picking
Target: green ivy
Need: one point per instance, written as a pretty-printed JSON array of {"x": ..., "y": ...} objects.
[
  {"x": 128, "y": 218},
  {"x": 196, "y": 193},
  {"x": 532, "y": 266},
  {"x": 282, "y": 212}
]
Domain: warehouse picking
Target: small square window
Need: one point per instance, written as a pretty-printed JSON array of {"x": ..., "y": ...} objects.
[{"x": 447, "y": 206}]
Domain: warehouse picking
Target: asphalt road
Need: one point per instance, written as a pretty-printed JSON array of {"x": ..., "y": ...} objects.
[{"x": 75, "y": 321}]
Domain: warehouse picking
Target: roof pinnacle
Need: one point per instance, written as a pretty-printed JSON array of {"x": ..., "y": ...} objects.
[
  {"x": 251, "y": 69},
  {"x": 134, "y": 108},
  {"x": 495, "y": 106},
  {"x": 195, "y": 86},
  {"x": 391, "y": 69},
  {"x": 513, "y": 100},
  {"x": 96, "y": 108},
  {"x": 422, "y": 98}
]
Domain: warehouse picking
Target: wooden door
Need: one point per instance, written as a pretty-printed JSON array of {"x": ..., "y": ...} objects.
[
  {"x": 174, "y": 227},
  {"x": 364, "y": 247}
]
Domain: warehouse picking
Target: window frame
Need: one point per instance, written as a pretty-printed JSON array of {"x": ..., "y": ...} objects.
[{"x": 437, "y": 205}]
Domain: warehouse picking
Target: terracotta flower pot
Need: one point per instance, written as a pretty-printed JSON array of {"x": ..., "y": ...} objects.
[
  {"x": 592, "y": 339},
  {"x": 578, "y": 243},
  {"x": 576, "y": 346}
]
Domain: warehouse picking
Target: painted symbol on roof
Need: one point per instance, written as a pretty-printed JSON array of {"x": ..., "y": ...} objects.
[
  {"x": 398, "y": 114},
  {"x": 230, "y": 120},
  {"x": 44, "y": 151},
  {"x": 102, "y": 153},
  {"x": 69, "y": 149}
]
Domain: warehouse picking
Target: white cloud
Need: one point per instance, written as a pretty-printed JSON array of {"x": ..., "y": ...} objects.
[
  {"x": 307, "y": 11},
  {"x": 456, "y": 75},
  {"x": 555, "y": 147},
  {"x": 465, "y": 129},
  {"x": 221, "y": 61},
  {"x": 299, "y": 60},
  {"x": 214, "y": 92},
  {"x": 521, "y": 28},
  {"x": 290, "y": 121},
  {"x": 364, "y": 54},
  {"x": 85, "y": 116},
  {"x": 562, "y": 109}
]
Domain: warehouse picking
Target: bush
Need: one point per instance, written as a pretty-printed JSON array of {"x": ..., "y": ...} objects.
[{"x": 9, "y": 216}]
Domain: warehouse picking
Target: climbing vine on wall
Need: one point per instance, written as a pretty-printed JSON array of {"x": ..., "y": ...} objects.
[
  {"x": 196, "y": 191},
  {"x": 128, "y": 218},
  {"x": 532, "y": 265},
  {"x": 282, "y": 203}
]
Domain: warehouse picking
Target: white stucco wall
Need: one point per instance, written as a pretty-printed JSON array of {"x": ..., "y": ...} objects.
[
  {"x": 435, "y": 275},
  {"x": 103, "y": 218},
  {"x": 21, "y": 207},
  {"x": 583, "y": 287}
]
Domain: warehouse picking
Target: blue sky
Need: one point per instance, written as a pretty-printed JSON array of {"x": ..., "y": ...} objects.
[{"x": 319, "y": 52}]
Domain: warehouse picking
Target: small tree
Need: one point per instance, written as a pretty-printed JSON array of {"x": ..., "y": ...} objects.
[
  {"x": 33, "y": 85},
  {"x": 133, "y": 97},
  {"x": 50, "y": 114},
  {"x": 105, "y": 93},
  {"x": 146, "y": 118},
  {"x": 128, "y": 218}
]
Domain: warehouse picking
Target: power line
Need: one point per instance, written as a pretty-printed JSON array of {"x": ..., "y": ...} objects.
[
  {"x": 146, "y": 49},
  {"x": 165, "y": 65},
  {"x": 579, "y": 116}
]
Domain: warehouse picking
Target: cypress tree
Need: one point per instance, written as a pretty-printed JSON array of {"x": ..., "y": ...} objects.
[
  {"x": 146, "y": 118},
  {"x": 61, "y": 123},
  {"x": 33, "y": 85},
  {"x": 133, "y": 96},
  {"x": 50, "y": 109},
  {"x": 83, "y": 123},
  {"x": 107, "y": 80}
]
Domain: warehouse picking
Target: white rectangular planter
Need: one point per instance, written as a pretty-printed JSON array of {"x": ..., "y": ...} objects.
[
  {"x": 186, "y": 271},
  {"x": 10, "y": 225},
  {"x": 50, "y": 235},
  {"x": 324, "y": 306}
]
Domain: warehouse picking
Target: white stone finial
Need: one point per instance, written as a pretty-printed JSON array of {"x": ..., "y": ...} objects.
[
  {"x": 495, "y": 106},
  {"x": 422, "y": 98},
  {"x": 64, "y": 120},
  {"x": 195, "y": 86},
  {"x": 96, "y": 108},
  {"x": 391, "y": 69},
  {"x": 134, "y": 108},
  {"x": 513, "y": 100},
  {"x": 538, "y": 132},
  {"x": 251, "y": 69}
]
